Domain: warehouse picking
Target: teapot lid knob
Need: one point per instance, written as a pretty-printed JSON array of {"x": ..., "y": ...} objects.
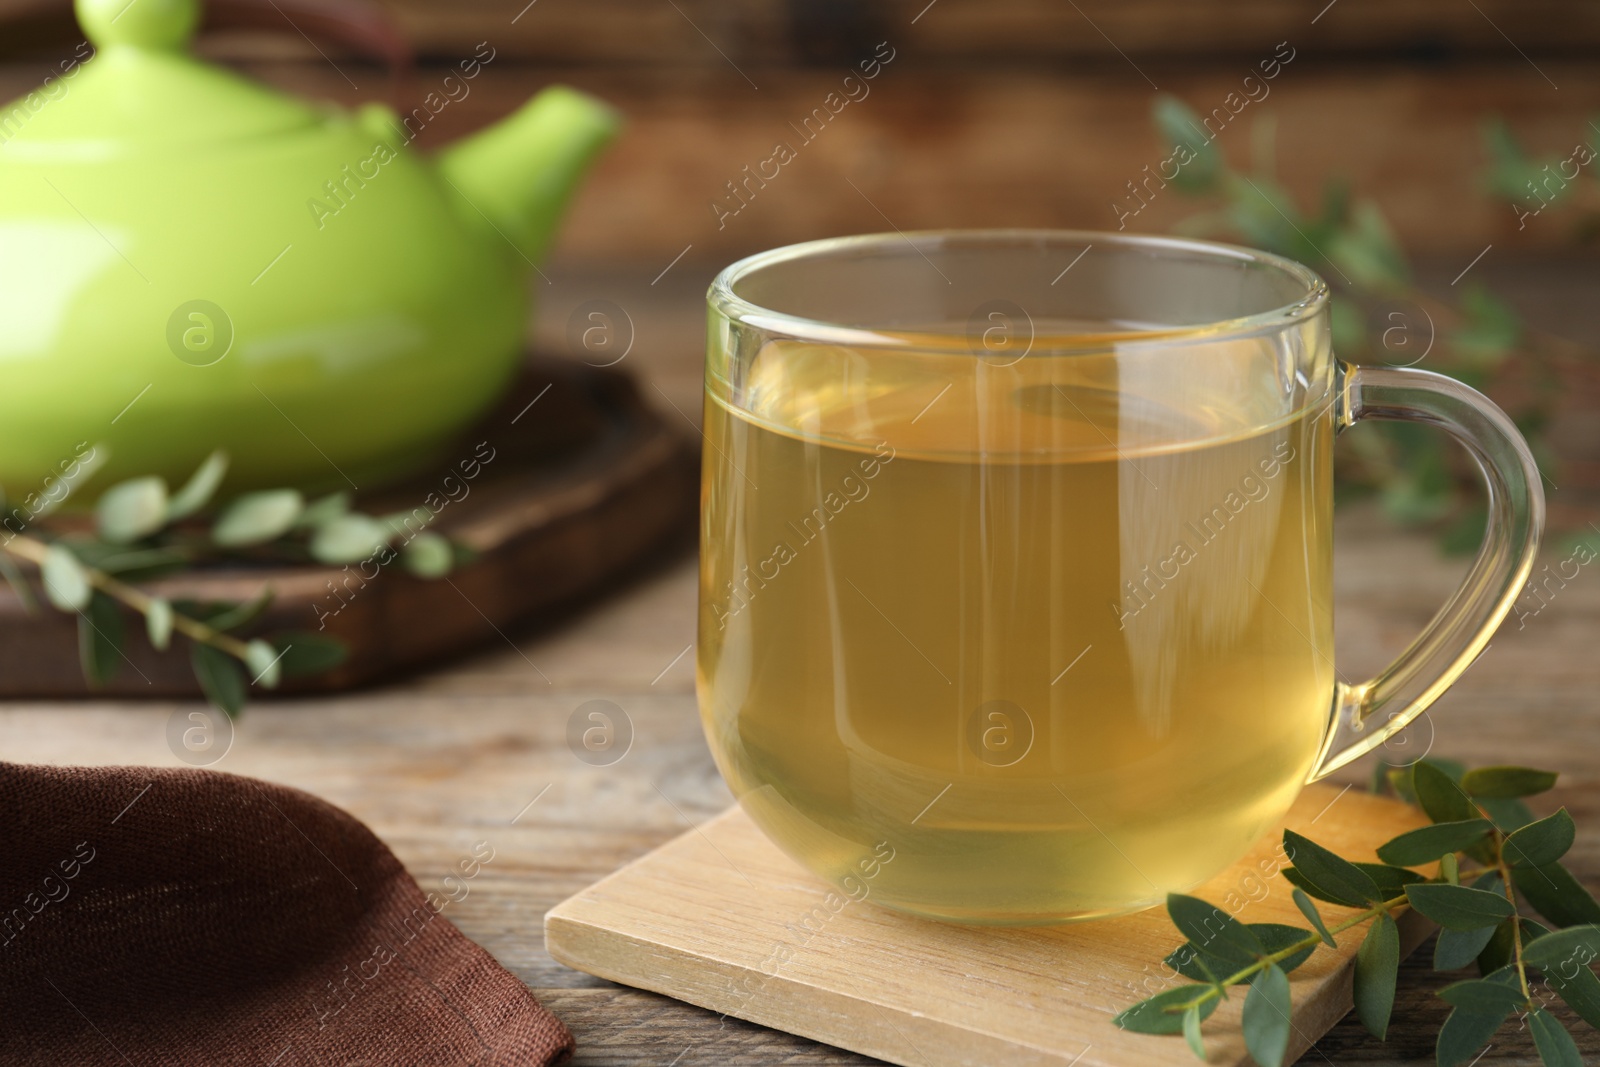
[{"x": 161, "y": 25}]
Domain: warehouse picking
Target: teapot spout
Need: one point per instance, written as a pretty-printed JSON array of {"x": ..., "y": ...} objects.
[{"x": 519, "y": 173}]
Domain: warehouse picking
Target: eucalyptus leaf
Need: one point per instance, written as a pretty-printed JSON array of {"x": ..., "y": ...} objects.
[
  {"x": 200, "y": 488},
  {"x": 1314, "y": 917},
  {"x": 1581, "y": 991},
  {"x": 220, "y": 677},
  {"x": 1507, "y": 781},
  {"x": 1459, "y": 907},
  {"x": 1556, "y": 894},
  {"x": 132, "y": 509},
  {"x": 100, "y": 639},
  {"x": 306, "y": 653},
  {"x": 1555, "y": 1045},
  {"x": 1191, "y": 1032},
  {"x": 1440, "y": 795},
  {"x": 348, "y": 539},
  {"x": 324, "y": 510},
  {"x": 256, "y": 518},
  {"x": 428, "y": 555},
  {"x": 1203, "y": 966},
  {"x": 1542, "y": 842},
  {"x": 1457, "y": 948},
  {"x": 1160, "y": 1014},
  {"x": 1180, "y": 126},
  {"x": 1575, "y": 944},
  {"x": 1212, "y": 930},
  {"x": 1336, "y": 880},
  {"x": 1391, "y": 881},
  {"x": 1265, "y": 1019},
  {"x": 1464, "y": 1033},
  {"x": 66, "y": 582},
  {"x": 1479, "y": 994},
  {"x": 262, "y": 659},
  {"x": 233, "y": 616},
  {"x": 1377, "y": 971},
  {"x": 1427, "y": 843},
  {"x": 1507, "y": 813},
  {"x": 1497, "y": 954},
  {"x": 158, "y": 623}
]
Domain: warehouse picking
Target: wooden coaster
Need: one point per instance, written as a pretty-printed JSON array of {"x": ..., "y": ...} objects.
[{"x": 721, "y": 918}]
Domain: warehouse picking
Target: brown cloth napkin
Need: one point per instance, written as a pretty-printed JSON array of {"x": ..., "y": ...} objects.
[{"x": 187, "y": 917}]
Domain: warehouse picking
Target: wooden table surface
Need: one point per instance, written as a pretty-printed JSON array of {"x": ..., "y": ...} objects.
[{"x": 478, "y": 751}]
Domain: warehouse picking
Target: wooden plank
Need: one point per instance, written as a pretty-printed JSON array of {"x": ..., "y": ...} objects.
[
  {"x": 705, "y": 33},
  {"x": 720, "y": 917},
  {"x": 977, "y": 148}
]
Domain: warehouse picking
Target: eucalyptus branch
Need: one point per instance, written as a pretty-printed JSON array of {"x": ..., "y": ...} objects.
[
  {"x": 37, "y": 552},
  {"x": 142, "y": 529},
  {"x": 1310, "y": 941},
  {"x": 1476, "y": 813}
]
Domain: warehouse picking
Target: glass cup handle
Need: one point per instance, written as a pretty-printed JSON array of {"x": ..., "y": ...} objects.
[{"x": 1367, "y": 714}]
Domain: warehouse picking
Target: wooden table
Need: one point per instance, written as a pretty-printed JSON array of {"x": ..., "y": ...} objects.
[{"x": 478, "y": 751}]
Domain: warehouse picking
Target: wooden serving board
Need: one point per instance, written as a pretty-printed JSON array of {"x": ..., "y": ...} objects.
[
  {"x": 583, "y": 481},
  {"x": 704, "y": 917}
]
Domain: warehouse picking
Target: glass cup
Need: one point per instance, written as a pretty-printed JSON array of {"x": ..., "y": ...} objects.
[{"x": 1015, "y": 599}]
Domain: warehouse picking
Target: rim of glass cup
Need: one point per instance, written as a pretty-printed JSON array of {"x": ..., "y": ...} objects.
[{"x": 724, "y": 299}]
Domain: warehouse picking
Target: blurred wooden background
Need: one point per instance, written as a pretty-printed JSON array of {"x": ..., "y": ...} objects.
[{"x": 992, "y": 112}]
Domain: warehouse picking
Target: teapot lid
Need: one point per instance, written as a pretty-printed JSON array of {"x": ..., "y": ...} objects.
[{"x": 143, "y": 89}]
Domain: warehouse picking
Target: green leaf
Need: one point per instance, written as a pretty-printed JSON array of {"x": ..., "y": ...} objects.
[
  {"x": 198, "y": 490},
  {"x": 324, "y": 510},
  {"x": 1541, "y": 842},
  {"x": 1496, "y": 955},
  {"x": 1507, "y": 813},
  {"x": 1265, "y": 1019},
  {"x": 1575, "y": 944},
  {"x": 1581, "y": 991},
  {"x": 158, "y": 623},
  {"x": 428, "y": 555},
  {"x": 1458, "y": 907},
  {"x": 1191, "y": 962},
  {"x": 1212, "y": 930},
  {"x": 1309, "y": 910},
  {"x": 1160, "y": 1015},
  {"x": 1555, "y": 1045},
  {"x": 306, "y": 653},
  {"x": 348, "y": 539},
  {"x": 132, "y": 509},
  {"x": 1507, "y": 781},
  {"x": 1464, "y": 1033},
  {"x": 219, "y": 676},
  {"x": 1478, "y": 994},
  {"x": 66, "y": 582},
  {"x": 1367, "y": 252},
  {"x": 1440, "y": 795},
  {"x": 1377, "y": 971},
  {"x": 1328, "y": 876},
  {"x": 1450, "y": 868},
  {"x": 1191, "y": 1032},
  {"x": 1391, "y": 881},
  {"x": 256, "y": 518},
  {"x": 100, "y": 639},
  {"x": 1457, "y": 948},
  {"x": 1556, "y": 894},
  {"x": 1178, "y": 125},
  {"x": 1426, "y": 844},
  {"x": 262, "y": 659},
  {"x": 1490, "y": 328},
  {"x": 233, "y": 616}
]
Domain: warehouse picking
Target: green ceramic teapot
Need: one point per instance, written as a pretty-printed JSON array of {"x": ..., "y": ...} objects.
[{"x": 190, "y": 260}]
